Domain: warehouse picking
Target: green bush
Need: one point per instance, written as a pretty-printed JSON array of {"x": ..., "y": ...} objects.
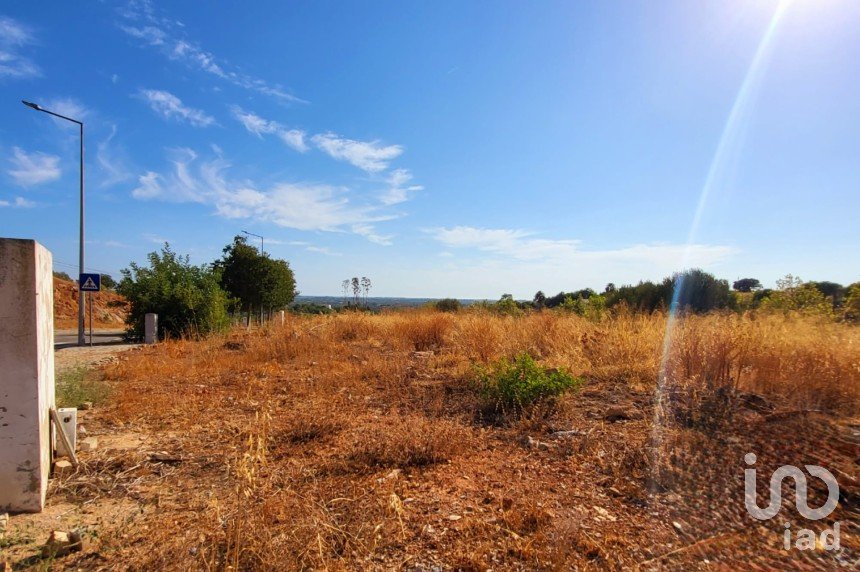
[
  {"x": 448, "y": 305},
  {"x": 188, "y": 299},
  {"x": 515, "y": 385}
]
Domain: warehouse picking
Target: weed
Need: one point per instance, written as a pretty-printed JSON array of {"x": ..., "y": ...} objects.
[
  {"x": 78, "y": 385},
  {"x": 519, "y": 384}
]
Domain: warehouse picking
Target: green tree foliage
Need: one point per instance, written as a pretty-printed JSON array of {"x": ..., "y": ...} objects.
[
  {"x": 508, "y": 306},
  {"x": 108, "y": 282},
  {"x": 851, "y": 307},
  {"x": 692, "y": 290},
  {"x": 448, "y": 305},
  {"x": 539, "y": 301},
  {"x": 795, "y": 295},
  {"x": 62, "y": 276},
  {"x": 558, "y": 299},
  {"x": 188, "y": 299},
  {"x": 256, "y": 281},
  {"x": 746, "y": 285},
  {"x": 697, "y": 291}
]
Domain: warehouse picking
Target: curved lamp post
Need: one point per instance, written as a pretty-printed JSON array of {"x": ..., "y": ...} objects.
[{"x": 81, "y": 298}]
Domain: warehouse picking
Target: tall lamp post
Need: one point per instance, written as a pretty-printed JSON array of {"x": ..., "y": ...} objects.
[
  {"x": 81, "y": 302},
  {"x": 262, "y": 250}
]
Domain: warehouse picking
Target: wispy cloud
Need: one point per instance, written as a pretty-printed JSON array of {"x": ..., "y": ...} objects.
[
  {"x": 322, "y": 250},
  {"x": 370, "y": 156},
  {"x": 29, "y": 169},
  {"x": 171, "y": 107},
  {"x": 300, "y": 206},
  {"x": 13, "y": 37},
  {"x": 154, "y": 238},
  {"x": 112, "y": 166},
  {"x": 368, "y": 231},
  {"x": 524, "y": 246},
  {"x": 18, "y": 203},
  {"x": 143, "y": 23},
  {"x": 399, "y": 189},
  {"x": 259, "y": 126}
]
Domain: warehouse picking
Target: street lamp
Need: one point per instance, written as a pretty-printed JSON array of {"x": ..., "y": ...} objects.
[
  {"x": 262, "y": 251},
  {"x": 81, "y": 302}
]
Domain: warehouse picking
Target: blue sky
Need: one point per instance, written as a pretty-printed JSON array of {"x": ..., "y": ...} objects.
[{"x": 461, "y": 149}]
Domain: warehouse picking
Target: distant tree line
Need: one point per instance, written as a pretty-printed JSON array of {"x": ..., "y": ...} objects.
[{"x": 696, "y": 291}]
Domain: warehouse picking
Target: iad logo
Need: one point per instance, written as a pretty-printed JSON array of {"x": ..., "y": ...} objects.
[{"x": 806, "y": 539}]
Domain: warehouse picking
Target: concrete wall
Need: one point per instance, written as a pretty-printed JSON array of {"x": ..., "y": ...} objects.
[{"x": 26, "y": 373}]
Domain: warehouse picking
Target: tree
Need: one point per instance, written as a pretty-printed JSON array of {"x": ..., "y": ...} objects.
[
  {"x": 238, "y": 268},
  {"x": 795, "y": 295},
  {"x": 345, "y": 287},
  {"x": 851, "y": 308},
  {"x": 108, "y": 282},
  {"x": 365, "y": 285},
  {"x": 188, "y": 299},
  {"x": 746, "y": 285},
  {"x": 255, "y": 280},
  {"x": 539, "y": 301},
  {"x": 697, "y": 291},
  {"x": 356, "y": 290},
  {"x": 276, "y": 283},
  {"x": 448, "y": 305},
  {"x": 609, "y": 288}
]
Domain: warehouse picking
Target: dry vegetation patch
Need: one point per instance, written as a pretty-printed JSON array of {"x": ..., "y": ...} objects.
[{"x": 353, "y": 442}]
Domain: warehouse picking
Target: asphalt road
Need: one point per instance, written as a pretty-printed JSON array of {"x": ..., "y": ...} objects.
[{"x": 69, "y": 338}]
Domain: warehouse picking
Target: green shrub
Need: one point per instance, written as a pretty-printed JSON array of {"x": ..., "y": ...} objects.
[
  {"x": 515, "y": 385},
  {"x": 448, "y": 305},
  {"x": 188, "y": 299}
]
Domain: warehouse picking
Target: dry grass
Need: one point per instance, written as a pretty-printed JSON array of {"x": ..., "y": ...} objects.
[{"x": 351, "y": 441}]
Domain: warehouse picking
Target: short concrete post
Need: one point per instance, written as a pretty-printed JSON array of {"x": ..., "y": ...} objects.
[
  {"x": 150, "y": 329},
  {"x": 283, "y": 317},
  {"x": 26, "y": 373}
]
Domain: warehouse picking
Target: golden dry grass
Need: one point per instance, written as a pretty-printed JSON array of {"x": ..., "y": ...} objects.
[{"x": 353, "y": 442}]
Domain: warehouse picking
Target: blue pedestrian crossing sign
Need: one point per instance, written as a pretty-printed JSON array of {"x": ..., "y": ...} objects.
[{"x": 90, "y": 282}]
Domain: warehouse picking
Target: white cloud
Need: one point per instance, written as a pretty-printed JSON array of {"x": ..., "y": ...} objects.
[
  {"x": 322, "y": 250},
  {"x": 149, "y": 34},
  {"x": 111, "y": 165},
  {"x": 19, "y": 203},
  {"x": 399, "y": 189},
  {"x": 369, "y": 232},
  {"x": 259, "y": 126},
  {"x": 170, "y": 107},
  {"x": 300, "y": 206},
  {"x": 564, "y": 256},
  {"x": 30, "y": 169},
  {"x": 155, "y": 238},
  {"x": 369, "y": 156},
  {"x": 167, "y": 36},
  {"x": 68, "y": 107},
  {"x": 13, "y": 37}
]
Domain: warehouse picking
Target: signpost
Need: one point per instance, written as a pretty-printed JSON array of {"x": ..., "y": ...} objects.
[{"x": 90, "y": 283}]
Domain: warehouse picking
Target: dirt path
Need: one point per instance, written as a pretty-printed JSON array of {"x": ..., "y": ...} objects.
[{"x": 73, "y": 357}]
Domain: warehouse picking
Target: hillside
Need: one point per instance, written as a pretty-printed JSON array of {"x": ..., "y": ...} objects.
[{"x": 109, "y": 308}]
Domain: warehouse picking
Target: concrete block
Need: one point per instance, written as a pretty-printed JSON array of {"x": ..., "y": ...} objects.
[
  {"x": 150, "y": 329},
  {"x": 26, "y": 373}
]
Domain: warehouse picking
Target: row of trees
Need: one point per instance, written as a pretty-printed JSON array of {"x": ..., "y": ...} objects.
[
  {"x": 699, "y": 291},
  {"x": 198, "y": 300},
  {"x": 360, "y": 291}
]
